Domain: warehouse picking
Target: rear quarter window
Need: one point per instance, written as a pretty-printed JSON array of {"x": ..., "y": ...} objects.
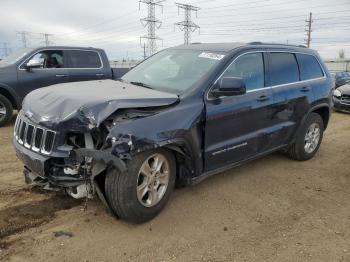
[
  {"x": 309, "y": 67},
  {"x": 283, "y": 69}
]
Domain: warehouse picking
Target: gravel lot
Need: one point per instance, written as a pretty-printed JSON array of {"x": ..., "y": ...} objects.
[{"x": 272, "y": 209}]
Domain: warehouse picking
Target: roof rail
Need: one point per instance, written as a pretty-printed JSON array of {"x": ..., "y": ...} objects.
[
  {"x": 255, "y": 43},
  {"x": 261, "y": 43}
]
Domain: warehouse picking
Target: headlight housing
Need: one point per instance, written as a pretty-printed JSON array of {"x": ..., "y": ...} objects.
[{"x": 337, "y": 93}]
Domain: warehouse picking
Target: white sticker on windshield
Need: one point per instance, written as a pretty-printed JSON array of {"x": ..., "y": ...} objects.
[{"x": 211, "y": 56}]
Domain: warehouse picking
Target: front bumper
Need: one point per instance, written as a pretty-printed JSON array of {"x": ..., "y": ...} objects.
[
  {"x": 38, "y": 170},
  {"x": 341, "y": 105},
  {"x": 35, "y": 162}
]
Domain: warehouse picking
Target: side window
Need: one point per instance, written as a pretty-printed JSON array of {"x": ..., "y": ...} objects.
[
  {"x": 309, "y": 67},
  {"x": 84, "y": 59},
  {"x": 249, "y": 67},
  {"x": 283, "y": 69},
  {"x": 48, "y": 59}
]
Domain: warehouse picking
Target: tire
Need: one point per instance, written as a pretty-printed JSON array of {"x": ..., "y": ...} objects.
[
  {"x": 6, "y": 110},
  {"x": 299, "y": 150},
  {"x": 122, "y": 189}
]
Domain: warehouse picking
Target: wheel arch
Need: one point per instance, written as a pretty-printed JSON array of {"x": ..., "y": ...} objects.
[
  {"x": 324, "y": 111},
  {"x": 186, "y": 165},
  {"x": 10, "y": 94}
]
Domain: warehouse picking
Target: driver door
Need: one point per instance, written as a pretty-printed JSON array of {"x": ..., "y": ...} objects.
[
  {"x": 236, "y": 126},
  {"x": 52, "y": 71}
]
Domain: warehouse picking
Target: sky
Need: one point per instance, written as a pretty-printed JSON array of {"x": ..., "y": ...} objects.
[{"x": 115, "y": 26}]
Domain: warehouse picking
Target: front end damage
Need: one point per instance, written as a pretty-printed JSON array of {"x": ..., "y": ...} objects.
[
  {"x": 75, "y": 162},
  {"x": 70, "y": 136}
]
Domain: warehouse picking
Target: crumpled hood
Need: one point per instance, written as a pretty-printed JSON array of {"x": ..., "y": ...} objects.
[
  {"x": 345, "y": 89},
  {"x": 89, "y": 102}
]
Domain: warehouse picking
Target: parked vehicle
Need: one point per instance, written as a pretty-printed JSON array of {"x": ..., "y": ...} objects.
[
  {"x": 32, "y": 68},
  {"x": 182, "y": 115},
  {"x": 341, "y": 98},
  {"x": 341, "y": 78}
]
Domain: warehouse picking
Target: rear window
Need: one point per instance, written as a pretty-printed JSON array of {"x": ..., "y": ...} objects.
[
  {"x": 283, "y": 69},
  {"x": 84, "y": 59},
  {"x": 309, "y": 67}
]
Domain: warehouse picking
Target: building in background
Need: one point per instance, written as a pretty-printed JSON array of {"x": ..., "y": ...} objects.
[{"x": 338, "y": 65}]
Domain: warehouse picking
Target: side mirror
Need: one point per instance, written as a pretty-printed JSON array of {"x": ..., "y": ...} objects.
[
  {"x": 229, "y": 86},
  {"x": 33, "y": 64}
]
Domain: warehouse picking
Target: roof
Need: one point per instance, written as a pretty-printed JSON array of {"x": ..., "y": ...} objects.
[
  {"x": 214, "y": 47},
  {"x": 64, "y": 47},
  {"x": 227, "y": 47}
]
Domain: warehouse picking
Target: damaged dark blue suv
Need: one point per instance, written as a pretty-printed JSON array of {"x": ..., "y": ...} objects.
[{"x": 182, "y": 115}]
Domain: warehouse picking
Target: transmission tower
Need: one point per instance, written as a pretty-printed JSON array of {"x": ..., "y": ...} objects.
[
  {"x": 24, "y": 37},
  {"x": 46, "y": 39},
  {"x": 152, "y": 24},
  {"x": 187, "y": 25},
  {"x": 308, "y": 30},
  {"x": 6, "y": 49}
]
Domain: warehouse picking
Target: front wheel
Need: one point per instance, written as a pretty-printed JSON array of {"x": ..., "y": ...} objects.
[
  {"x": 141, "y": 193},
  {"x": 308, "y": 139},
  {"x": 6, "y": 110}
]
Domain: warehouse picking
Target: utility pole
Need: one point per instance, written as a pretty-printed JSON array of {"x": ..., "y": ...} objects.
[
  {"x": 308, "y": 30},
  {"x": 187, "y": 25},
  {"x": 24, "y": 37},
  {"x": 152, "y": 24},
  {"x": 144, "y": 51},
  {"x": 46, "y": 39}
]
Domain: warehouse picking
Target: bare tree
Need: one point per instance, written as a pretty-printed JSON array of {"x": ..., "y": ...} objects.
[{"x": 341, "y": 53}]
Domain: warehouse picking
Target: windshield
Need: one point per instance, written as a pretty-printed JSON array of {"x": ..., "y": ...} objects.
[
  {"x": 14, "y": 57},
  {"x": 173, "y": 70}
]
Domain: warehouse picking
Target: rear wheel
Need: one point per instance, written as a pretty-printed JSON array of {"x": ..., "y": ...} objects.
[
  {"x": 308, "y": 139},
  {"x": 140, "y": 194},
  {"x": 6, "y": 110}
]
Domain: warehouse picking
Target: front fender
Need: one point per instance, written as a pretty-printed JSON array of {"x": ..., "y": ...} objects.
[{"x": 179, "y": 128}]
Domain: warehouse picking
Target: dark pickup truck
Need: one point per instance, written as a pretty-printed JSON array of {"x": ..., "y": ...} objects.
[{"x": 32, "y": 68}]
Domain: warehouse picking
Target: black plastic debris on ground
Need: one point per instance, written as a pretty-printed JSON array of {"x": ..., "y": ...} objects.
[{"x": 63, "y": 233}]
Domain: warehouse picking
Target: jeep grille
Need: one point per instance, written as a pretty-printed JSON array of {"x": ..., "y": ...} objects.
[{"x": 34, "y": 137}]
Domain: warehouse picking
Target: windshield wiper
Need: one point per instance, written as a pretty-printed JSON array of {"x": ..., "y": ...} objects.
[{"x": 140, "y": 84}]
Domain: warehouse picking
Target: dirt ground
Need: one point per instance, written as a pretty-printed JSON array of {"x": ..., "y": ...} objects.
[{"x": 272, "y": 209}]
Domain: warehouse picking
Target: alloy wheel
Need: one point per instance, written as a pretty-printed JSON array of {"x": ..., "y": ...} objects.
[
  {"x": 3, "y": 111},
  {"x": 153, "y": 180},
  {"x": 312, "y": 138}
]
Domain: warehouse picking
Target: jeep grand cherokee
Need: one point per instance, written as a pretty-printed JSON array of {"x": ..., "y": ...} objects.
[{"x": 182, "y": 115}]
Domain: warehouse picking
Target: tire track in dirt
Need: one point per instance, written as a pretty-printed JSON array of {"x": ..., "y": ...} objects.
[{"x": 20, "y": 218}]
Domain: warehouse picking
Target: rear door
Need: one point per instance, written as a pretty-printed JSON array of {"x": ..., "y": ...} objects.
[
  {"x": 85, "y": 65},
  {"x": 292, "y": 96},
  {"x": 236, "y": 126},
  {"x": 52, "y": 71}
]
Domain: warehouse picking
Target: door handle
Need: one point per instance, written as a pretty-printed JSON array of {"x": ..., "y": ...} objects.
[
  {"x": 100, "y": 75},
  {"x": 263, "y": 98},
  {"x": 305, "y": 89},
  {"x": 61, "y": 75}
]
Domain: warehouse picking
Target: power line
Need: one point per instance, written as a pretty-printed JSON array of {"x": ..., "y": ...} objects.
[
  {"x": 151, "y": 23},
  {"x": 308, "y": 30},
  {"x": 24, "y": 35},
  {"x": 187, "y": 25}
]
